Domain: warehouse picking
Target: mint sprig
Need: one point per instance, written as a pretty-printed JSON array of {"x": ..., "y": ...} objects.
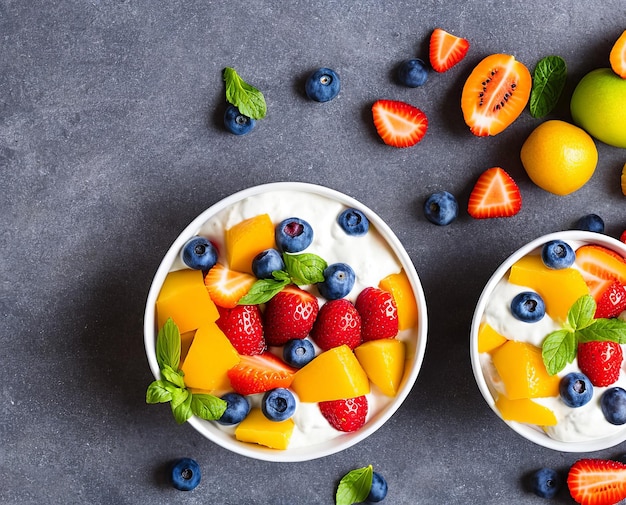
[
  {"x": 354, "y": 486},
  {"x": 559, "y": 348},
  {"x": 548, "y": 81},
  {"x": 249, "y": 100}
]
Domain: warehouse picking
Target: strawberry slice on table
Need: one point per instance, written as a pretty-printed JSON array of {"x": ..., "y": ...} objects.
[
  {"x": 243, "y": 327},
  {"x": 495, "y": 194},
  {"x": 399, "y": 124},
  {"x": 345, "y": 415},
  {"x": 446, "y": 50},
  {"x": 290, "y": 314},
  {"x": 597, "y": 481},
  {"x": 601, "y": 361},
  {"x": 337, "y": 323},
  {"x": 379, "y": 314},
  {"x": 226, "y": 286},
  {"x": 612, "y": 301},
  {"x": 260, "y": 373},
  {"x": 600, "y": 267}
]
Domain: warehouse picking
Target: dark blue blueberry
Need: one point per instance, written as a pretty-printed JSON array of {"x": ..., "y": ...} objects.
[
  {"x": 278, "y": 404},
  {"x": 198, "y": 253},
  {"x": 591, "y": 222},
  {"x": 293, "y": 235},
  {"x": 267, "y": 262},
  {"x": 338, "y": 281},
  {"x": 412, "y": 73},
  {"x": 613, "y": 405},
  {"x": 576, "y": 389},
  {"x": 322, "y": 85},
  {"x": 441, "y": 208},
  {"x": 528, "y": 307},
  {"x": 353, "y": 222},
  {"x": 378, "y": 491},
  {"x": 237, "y": 408},
  {"x": 557, "y": 254},
  {"x": 546, "y": 483},
  {"x": 185, "y": 474},
  {"x": 298, "y": 352},
  {"x": 235, "y": 122}
]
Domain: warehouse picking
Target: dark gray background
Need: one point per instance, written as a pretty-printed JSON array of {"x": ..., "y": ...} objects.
[{"x": 111, "y": 143}]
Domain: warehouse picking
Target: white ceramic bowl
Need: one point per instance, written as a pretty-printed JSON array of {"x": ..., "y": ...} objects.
[
  {"x": 415, "y": 340},
  {"x": 530, "y": 432}
]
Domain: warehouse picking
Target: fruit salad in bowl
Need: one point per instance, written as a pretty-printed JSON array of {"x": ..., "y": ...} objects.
[
  {"x": 548, "y": 338},
  {"x": 285, "y": 323}
]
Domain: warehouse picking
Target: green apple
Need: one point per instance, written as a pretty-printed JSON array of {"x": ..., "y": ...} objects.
[{"x": 599, "y": 106}]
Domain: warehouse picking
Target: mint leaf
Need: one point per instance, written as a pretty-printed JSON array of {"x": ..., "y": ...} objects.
[
  {"x": 208, "y": 407},
  {"x": 173, "y": 376},
  {"x": 580, "y": 314},
  {"x": 182, "y": 407},
  {"x": 158, "y": 393},
  {"x": 168, "y": 345},
  {"x": 613, "y": 330},
  {"x": 263, "y": 290},
  {"x": 179, "y": 395},
  {"x": 354, "y": 486},
  {"x": 549, "y": 79},
  {"x": 249, "y": 100},
  {"x": 558, "y": 350},
  {"x": 305, "y": 268}
]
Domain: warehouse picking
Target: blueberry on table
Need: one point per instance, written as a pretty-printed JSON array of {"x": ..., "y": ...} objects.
[
  {"x": 546, "y": 482},
  {"x": 278, "y": 404},
  {"x": 412, "y": 73},
  {"x": 322, "y": 85},
  {"x": 293, "y": 235},
  {"x": 266, "y": 262},
  {"x": 441, "y": 208},
  {"x": 557, "y": 254},
  {"x": 528, "y": 307},
  {"x": 575, "y": 389},
  {"x": 353, "y": 222},
  {"x": 298, "y": 352},
  {"x": 199, "y": 253},
  {"x": 237, "y": 409},
  {"x": 378, "y": 490},
  {"x": 591, "y": 222},
  {"x": 613, "y": 405},
  {"x": 185, "y": 474},
  {"x": 236, "y": 123},
  {"x": 338, "y": 281}
]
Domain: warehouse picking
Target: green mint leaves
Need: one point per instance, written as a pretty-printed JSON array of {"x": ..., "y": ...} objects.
[
  {"x": 300, "y": 269},
  {"x": 559, "y": 347},
  {"x": 171, "y": 388},
  {"x": 249, "y": 100},
  {"x": 548, "y": 81},
  {"x": 354, "y": 486}
]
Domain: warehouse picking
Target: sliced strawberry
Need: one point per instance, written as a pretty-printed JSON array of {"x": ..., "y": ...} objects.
[
  {"x": 600, "y": 267},
  {"x": 612, "y": 301},
  {"x": 495, "y": 194},
  {"x": 379, "y": 314},
  {"x": 617, "y": 56},
  {"x": 337, "y": 323},
  {"x": 225, "y": 286},
  {"x": 260, "y": 373},
  {"x": 597, "y": 481},
  {"x": 289, "y": 314},
  {"x": 243, "y": 326},
  {"x": 446, "y": 50},
  {"x": 345, "y": 415},
  {"x": 601, "y": 361},
  {"x": 398, "y": 123}
]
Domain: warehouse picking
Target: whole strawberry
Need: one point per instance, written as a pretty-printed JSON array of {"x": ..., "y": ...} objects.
[
  {"x": 345, "y": 415},
  {"x": 243, "y": 326},
  {"x": 379, "y": 314},
  {"x": 601, "y": 361},
  {"x": 289, "y": 314},
  {"x": 337, "y": 323}
]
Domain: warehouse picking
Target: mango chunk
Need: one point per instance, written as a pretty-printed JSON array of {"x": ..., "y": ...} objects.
[
  {"x": 247, "y": 239},
  {"x": 184, "y": 298},
  {"x": 488, "y": 338},
  {"x": 525, "y": 410},
  {"x": 400, "y": 288},
  {"x": 521, "y": 368},
  {"x": 333, "y": 375},
  {"x": 383, "y": 362},
  {"x": 210, "y": 356},
  {"x": 558, "y": 288},
  {"x": 258, "y": 429}
]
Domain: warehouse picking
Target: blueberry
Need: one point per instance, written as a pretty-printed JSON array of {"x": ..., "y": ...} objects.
[
  {"x": 185, "y": 474},
  {"x": 412, "y": 73},
  {"x": 198, "y": 253},
  {"x": 613, "y": 405},
  {"x": 528, "y": 307},
  {"x": 546, "y": 482},
  {"x": 322, "y": 85},
  {"x": 557, "y": 254},
  {"x": 576, "y": 389},
  {"x": 298, "y": 352},
  {"x": 353, "y": 222},
  {"x": 441, "y": 208},
  {"x": 378, "y": 491},
  {"x": 591, "y": 222},
  {"x": 235, "y": 122},
  {"x": 267, "y": 262},
  {"x": 278, "y": 404},
  {"x": 293, "y": 235},
  {"x": 338, "y": 281},
  {"x": 237, "y": 408}
]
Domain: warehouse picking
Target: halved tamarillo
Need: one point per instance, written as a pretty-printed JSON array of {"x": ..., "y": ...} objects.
[{"x": 495, "y": 94}]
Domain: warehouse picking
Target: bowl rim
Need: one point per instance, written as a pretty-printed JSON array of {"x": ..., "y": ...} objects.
[
  {"x": 344, "y": 441},
  {"x": 525, "y": 430}
]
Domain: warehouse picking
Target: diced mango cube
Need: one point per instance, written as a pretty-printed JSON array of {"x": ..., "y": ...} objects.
[
  {"x": 258, "y": 429},
  {"x": 247, "y": 239},
  {"x": 383, "y": 362},
  {"x": 488, "y": 338},
  {"x": 525, "y": 410},
  {"x": 400, "y": 288}
]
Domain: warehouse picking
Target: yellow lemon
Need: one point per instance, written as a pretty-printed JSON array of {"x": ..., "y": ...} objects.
[{"x": 559, "y": 157}]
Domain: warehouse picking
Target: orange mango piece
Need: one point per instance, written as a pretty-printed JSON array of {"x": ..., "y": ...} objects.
[
  {"x": 383, "y": 362},
  {"x": 488, "y": 338},
  {"x": 525, "y": 410},
  {"x": 247, "y": 239},
  {"x": 258, "y": 429},
  {"x": 400, "y": 288}
]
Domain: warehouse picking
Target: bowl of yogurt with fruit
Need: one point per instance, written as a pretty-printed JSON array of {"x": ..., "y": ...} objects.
[
  {"x": 285, "y": 323},
  {"x": 548, "y": 339}
]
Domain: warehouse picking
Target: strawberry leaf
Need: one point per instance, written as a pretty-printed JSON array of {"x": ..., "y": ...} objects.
[{"x": 355, "y": 486}]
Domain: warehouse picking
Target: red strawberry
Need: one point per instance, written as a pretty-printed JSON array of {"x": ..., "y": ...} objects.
[
  {"x": 601, "y": 361},
  {"x": 597, "y": 481},
  {"x": 379, "y": 314},
  {"x": 345, "y": 415},
  {"x": 399, "y": 124},
  {"x": 446, "y": 50},
  {"x": 337, "y": 323},
  {"x": 226, "y": 286},
  {"x": 289, "y": 314},
  {"x": 260, "y": 373},
  {"x": 622, "y": 237},
  {"x": 495, "y": 194},
  {"x": 612, "y": 301},
  {"x": 243, "y": 327}
]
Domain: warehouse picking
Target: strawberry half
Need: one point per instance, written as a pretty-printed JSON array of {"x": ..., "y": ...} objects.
[
  {"x": 495, "y": 194},
  {"x": 379, "y": 314},
  {"x": 597, "y": 481},
  {"x": 345, "y": 415},
  {"x": 612, "y": 301},
  {"x": 225, "y": 286},
  {"x": 446, "y": 50},
  {"x": 601, "y": 361},
  {"x": 600, "y": 267},
  {"x": 260, "y": 373},
  {"x": 289, "y": 314},
  {"x": 337, "y": 323},
  {"x": 398, "y": 123},
  {"x": 243, "y": 327}
]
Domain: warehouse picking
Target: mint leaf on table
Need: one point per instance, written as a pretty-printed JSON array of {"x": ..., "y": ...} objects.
[
  {"x": 249, "y": 100},
  {"x": 168, "y": 345},
  {"x": 354, "y": 486},
  {"x": 548, "y": 82}
]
